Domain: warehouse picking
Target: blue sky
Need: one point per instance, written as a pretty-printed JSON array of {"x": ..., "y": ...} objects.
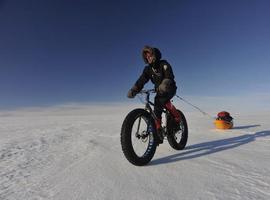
[{"x": 61, "y": 51}]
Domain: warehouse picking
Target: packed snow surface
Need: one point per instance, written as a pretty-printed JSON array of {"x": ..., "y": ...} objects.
[{"x": 74, "y": 152}]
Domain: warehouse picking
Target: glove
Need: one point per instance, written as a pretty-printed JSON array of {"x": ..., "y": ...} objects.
[
  {"x": 132, "y": 92},
  {"x": 164, "y": 86}
]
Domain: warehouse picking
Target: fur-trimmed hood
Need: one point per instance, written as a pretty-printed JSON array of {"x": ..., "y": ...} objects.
[{"x": 154, "y": 51}]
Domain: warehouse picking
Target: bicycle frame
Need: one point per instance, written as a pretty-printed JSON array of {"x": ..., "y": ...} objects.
[
  {"x": 139, "y": 150},
  {"x": 148, "y": 103}
]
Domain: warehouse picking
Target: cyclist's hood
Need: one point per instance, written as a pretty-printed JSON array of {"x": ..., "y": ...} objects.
[{"x": 154, "y": 51}]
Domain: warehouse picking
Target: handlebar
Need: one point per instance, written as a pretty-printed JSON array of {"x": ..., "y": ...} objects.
[{"x": 147, "y": 91}]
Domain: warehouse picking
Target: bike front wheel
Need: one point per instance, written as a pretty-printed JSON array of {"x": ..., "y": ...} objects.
[{"x": 138, "y": 137}]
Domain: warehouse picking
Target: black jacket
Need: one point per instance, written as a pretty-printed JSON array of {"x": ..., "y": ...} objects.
[{"x": 156, "y": 72}]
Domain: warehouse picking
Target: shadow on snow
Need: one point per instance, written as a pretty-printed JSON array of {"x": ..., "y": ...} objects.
[
  {"x": 205, "y": 148},
  {"x": 246, "y": 127}
]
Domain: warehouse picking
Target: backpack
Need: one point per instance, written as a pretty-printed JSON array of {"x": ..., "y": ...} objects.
[{"x": 224, "y": 116}]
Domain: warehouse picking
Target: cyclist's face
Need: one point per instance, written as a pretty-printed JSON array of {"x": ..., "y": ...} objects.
[{"x": 149, "y": 57}]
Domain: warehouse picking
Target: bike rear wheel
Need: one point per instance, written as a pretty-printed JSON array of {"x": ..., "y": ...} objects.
[
  {"x": 138, "y": 137},
  {"x": 177, "y": 134}
]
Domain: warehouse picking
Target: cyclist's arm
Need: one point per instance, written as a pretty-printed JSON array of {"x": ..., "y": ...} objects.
[
  {"x": 143, "y": 79},
  {"x": 168, "y": 72}
]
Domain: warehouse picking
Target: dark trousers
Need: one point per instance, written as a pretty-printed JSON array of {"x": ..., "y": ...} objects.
[{"x": 161, "y": 100}]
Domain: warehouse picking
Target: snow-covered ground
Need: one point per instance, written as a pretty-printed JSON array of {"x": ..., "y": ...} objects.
[{"x": 74, "y": 152}]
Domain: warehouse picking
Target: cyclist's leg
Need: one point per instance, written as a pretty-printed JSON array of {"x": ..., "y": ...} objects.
[
  {"x": 158, "y": 108},
  {"x": 158, "y": 111},
  {"x": 160, "y": 102},
  {"x": 173, "y": 111},
  {"x": 164, "y": 101}
]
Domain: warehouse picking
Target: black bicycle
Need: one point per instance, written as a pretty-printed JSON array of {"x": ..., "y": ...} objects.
[{"x": 139, "y": 138}]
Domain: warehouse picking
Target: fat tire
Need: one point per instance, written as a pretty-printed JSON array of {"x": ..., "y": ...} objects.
[
  {"x": 126, "y": 141},
  {"x": 171, "y": 139}
]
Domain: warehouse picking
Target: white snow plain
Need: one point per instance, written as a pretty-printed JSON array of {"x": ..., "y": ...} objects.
[{"x": 74, "y": 152}]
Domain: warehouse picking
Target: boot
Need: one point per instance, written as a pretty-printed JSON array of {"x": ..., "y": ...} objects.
[{"x": 171, "y": 108}]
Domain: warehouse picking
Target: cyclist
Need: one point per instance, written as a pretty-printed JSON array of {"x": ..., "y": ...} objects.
[{"x": 161, "y": 75}]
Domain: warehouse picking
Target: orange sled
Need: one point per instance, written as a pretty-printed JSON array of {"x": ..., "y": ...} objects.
[{"x": 222, "y": 124}]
